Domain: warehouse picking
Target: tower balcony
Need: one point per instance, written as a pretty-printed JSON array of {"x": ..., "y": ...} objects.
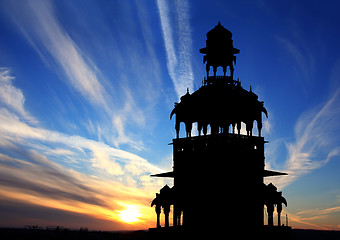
[{"x": 220, "y": 80}]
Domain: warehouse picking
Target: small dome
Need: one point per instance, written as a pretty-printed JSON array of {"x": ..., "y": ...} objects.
[{"x": 219, "y": 31}]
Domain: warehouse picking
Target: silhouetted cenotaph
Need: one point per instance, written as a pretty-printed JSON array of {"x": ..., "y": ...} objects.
[{"x": 219, "y": 173}]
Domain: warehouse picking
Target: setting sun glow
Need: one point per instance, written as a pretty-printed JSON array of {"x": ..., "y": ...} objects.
[{"x": 130, "y": 215}]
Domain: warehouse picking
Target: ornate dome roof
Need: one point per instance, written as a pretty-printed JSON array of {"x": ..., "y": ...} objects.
[
  {"x": 219, "y": 31},
  {"x": 220, "y": 104}
]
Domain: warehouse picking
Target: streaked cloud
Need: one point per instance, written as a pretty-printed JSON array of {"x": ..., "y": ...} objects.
[
  {"x": 41, "y": 27},
  {"x": 54, "y": 170},
  {"x": 307, "y": 222},
  {"x": 316, "y": 134},
  {"x": 178, "y": 43},
  {"x": 303, "y": 59},
  {"x": 317, "y": 218},
  {"x": 329, "y": 210},
  {"x": 40, "y": 182},
  {"x": 53, "y": 41},
  {"x": 14, "y": 130},
  {"x": 12, "y": 97}
]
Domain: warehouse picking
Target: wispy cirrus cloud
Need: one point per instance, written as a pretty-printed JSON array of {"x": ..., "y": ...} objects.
[
  {"x": 176, "y": 30},
  {"x": 308, "y": 222},
  {"x": 39, "y": 24},
  {"x": 317, "y": 141},
  {"x": 51, "y": 169},
  {"x": 109, "y": 175},
  {"x": 317, "y": 218},
  {"x": 16, "y": 131},
  {"x": 11, "y": 96},
  {"x": 303, "y": 59},
  {"x": 40, "y": 182}
]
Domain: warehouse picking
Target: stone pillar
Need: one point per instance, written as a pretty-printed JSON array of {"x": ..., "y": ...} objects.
[
  {"x": 166, "y": 209},
  {"x": 279, "y": 210},
  {"x": 158, "y": 212},
  {"x": 174, "y": 216},
  {"x": 270, "y": 210}
]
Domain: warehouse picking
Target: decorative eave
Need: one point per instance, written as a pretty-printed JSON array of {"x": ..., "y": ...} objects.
[
  {"x": 166, "y": 174},
  {"x": 266, "y": 173},
  {"x": 269, "y": 173}
]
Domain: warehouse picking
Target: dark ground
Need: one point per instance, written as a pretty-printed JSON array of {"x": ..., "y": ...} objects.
[
  {"x": 301, "y": 234},
  {"x": 65, "y": 234}
]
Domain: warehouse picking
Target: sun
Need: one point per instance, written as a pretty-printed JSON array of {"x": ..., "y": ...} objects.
[{"x": 130, "y": 215}]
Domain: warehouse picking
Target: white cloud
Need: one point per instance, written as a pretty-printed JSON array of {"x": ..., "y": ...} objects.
[
  {"x": 304, "y": 62},
  {"x": 11, "y": 96},
  {"x": 97, "y": 180},
  {"x": 178, "y": 43},
  {"x": 38, "y": 181},
  {"x": 13, "y": 130},
  {"x": 102, "y": 160},
  {"x": 16, "y": 132},
  {"x": 38, "y": 21},
  {"x": 41, "y": 27},
  {"x": 316, "y": 134},
  {"x": 69, "y": 171}
]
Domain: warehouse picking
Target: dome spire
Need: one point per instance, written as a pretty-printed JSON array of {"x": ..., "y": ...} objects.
[{"x": 219, "y": 50}]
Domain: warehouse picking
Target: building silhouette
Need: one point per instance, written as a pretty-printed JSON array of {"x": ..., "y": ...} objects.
[{"x": 219, "y": 173}]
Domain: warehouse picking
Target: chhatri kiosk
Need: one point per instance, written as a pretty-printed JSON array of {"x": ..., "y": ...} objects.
[{"x": 219, "y": 173}]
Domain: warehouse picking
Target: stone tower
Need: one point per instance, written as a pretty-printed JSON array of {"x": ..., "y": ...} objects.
[{"x": 218, "y": 173}]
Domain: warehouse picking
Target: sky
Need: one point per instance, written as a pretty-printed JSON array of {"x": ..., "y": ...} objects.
[{"x": 87, "y": 87}]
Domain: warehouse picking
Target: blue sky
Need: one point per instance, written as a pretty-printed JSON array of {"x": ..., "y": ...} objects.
[{"x": 86, "y": 89}]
